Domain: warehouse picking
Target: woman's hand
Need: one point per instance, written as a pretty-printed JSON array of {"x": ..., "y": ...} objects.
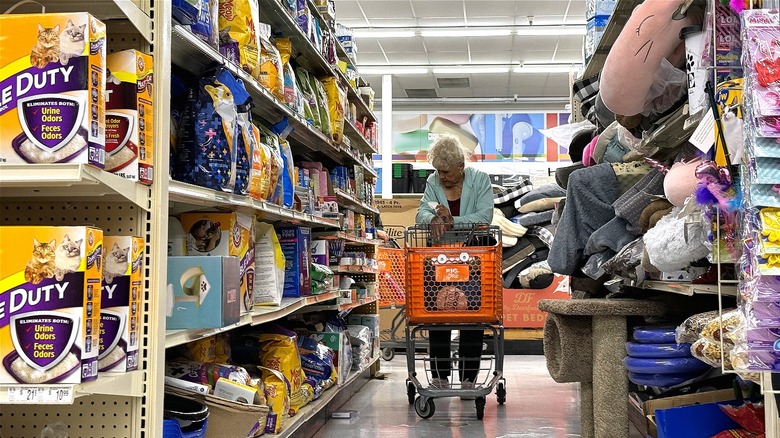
[
  {"x": 382, "y": 235},
  {"x": 444, "y": 214},
  {"x": 438, "y": 228}
]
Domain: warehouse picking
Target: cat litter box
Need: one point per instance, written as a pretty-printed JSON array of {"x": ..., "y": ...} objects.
[{"x": 184, "y": 418}]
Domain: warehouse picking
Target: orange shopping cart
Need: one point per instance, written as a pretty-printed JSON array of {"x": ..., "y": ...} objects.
[{"x": 453, "y": 282}]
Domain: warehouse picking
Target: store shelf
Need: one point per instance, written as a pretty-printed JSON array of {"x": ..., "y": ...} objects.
[
  {"x": 354, "y": 270},
  {"x": 259, "y": 315},
  {"x": 69, "y": 181},
  {"x": 671, "y": 132},
  {"x": 342, "y": 307},
  {"x": 690, "y": 289},
  {"x": 358, "y": 140},
  {"x": 193, "y": 196},
  {"x": 306, "y": 413},
  {"x": 347, "y": 237},
  {"x": 617, "y": 21},
  {"x": 129, "y": 384},
  {"x": 354, "y": 203},
  {"x": 132, "y": 10},
  {"x": 195, "y": 56}
]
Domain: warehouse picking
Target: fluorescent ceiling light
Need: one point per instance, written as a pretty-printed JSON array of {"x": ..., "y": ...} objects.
[
  {"x": 464, "y": 32},
  {"x": 544, "y": 30},
  {"x": 391, "y": 70},
  {"x": 383, "y": 33},
  {"x": 470, "y": 69},
  {"x": 545, "y": 68}
]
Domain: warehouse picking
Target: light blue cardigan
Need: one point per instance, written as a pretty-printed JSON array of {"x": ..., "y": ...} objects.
[{"x": 476, "y": 199}]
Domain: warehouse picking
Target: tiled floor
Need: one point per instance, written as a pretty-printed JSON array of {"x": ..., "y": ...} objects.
[{"x": 536, "y": 407}]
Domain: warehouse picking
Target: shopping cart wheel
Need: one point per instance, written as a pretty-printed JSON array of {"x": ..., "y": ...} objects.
[
  {"x": 410, "y": 391},
  {"x": 480, "y": 402},
  {"x": 424, "y": 407},
  {"x": 501, "y": 393},
  {"x": 388, "y": 353}
]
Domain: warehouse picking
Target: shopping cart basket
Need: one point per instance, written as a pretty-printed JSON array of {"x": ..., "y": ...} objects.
[{"x": 453, "y": 282}]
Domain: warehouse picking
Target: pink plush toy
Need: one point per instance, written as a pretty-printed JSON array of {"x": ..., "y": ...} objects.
[{"x": 651, "y": 34}]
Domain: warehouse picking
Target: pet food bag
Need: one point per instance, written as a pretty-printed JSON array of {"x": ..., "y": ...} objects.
[
  {"x": 243, "y": 141},
  {"x": 238, "y": 39},
  {"x": 206, "y": 26},
  {"x": 260, "y": 172},
  {"x": 292, "y": 96},
  {"x": 336, "y": 98},
  {"x": 322, "y": 104},
  {"x": 270, "y": 139},
  {"x": 129, "y": 115},
  {"x": 225, "y": 234},
  {"x": 310, "y": 112},
  {"x": 279, "y": 351},
  {"x": 270, "y": 74},
  {"x": 206, "y": 153},
  {"x": 120, "y": 303},
  {"x": 186, "y": 11},
  {"x": 268, "y": 255},
  {"x": 277, "y": 395},
  {"x": 50, "y": 304},
  {"x": 52, "y": 89}
]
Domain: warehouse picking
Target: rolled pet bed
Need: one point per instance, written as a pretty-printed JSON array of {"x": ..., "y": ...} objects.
[
  {"x": 654, "y": 335},
  {"x": 567, "y": 347},
  {"x": 674, "y": 365},
  {"x": 658, "y": 351},
  {"x": 661, "y": 380}
]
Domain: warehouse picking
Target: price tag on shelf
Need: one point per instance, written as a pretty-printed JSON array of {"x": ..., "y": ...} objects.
[{"x": 51, "y": 395}]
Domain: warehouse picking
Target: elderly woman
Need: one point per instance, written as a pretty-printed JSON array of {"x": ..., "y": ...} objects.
[{"x": 462, "y": 196}]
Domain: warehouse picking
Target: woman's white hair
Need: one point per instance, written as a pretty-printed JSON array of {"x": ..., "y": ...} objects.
[{"x": 446, "y": 153}]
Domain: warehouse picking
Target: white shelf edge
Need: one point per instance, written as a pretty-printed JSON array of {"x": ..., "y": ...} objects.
[
  {"x": 313, "y": 408},
  {"x": 342, "y": 307},
  {"x": 140, "y": 19},
  {"x": 689, "y": 289},
  {"x": 354, "y": 201},
  {"x": 129, "y": 384},
  {"x": 30, "y": 178}
]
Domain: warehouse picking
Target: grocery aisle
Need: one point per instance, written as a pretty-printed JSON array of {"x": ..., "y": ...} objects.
[{"x": 536, "y": 407}]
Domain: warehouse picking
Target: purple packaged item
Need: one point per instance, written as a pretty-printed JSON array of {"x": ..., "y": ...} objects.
[
  {"x": 764, "y": 314},
  {"x": 764, "y": 360},
  {"x": 763, "y": 337}
]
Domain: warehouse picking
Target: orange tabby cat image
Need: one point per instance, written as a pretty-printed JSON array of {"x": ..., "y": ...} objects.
[
  {"x": 47, "y": 49},
  {"x": 41, "y": 265}
]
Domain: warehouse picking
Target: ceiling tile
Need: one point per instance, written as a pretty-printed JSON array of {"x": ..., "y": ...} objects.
[
  {"x": 384, "y": 9},
  {"x": 401, "y": 45},
  {"x": 501, "y": 8},
  {"x": 505, "y": 20},
  {"x": 454, "y": 92},
  {"x": 387, "y": 21},
  {"x": 494, "y": 91},
  {"x": 368, "y": 45},
  {"x": 539, "y": 8},
  {"x": 349, "y": 10},
  {"x": 490, "y": 43},
  {"x": 448, "y": 57},
  {"x": 401, "y": 58},
  {"x": 426, "y": 81},
  {"x": 522, "y": 81},
  {"x": 438, "y": 8},
  {"x": 558, "y": 81},
  {"x": 574, "y": 56},
  {"x": 371, "y": 58},
  {"x": 491, "y": 57},
  {"x": 446, "y": 44},
  {"x": 535, "y": 42},
  {"x": 441, "y": 21},
  {"x": 490, "y": 80},
  {"x": 532, "y": 56}
]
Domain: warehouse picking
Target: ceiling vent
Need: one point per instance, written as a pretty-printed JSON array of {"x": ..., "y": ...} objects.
[
  {"x": 421, "y": 92},
  {"x": 453, "y": 82}
]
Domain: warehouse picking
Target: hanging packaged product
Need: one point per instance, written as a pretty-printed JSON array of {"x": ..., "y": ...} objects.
[
  {"x": 310, "y": 112},
  {"x": 337, "y": 98},
  {"x": 270, "y": 139},
  {"x": 120, "y": 303},
  {"x": 129, "y": 115},
  {"x": 292, "y": 96},
  {"x": 243, "y": 141},
  {"x": 270, "y": 75},
  {"x": 206, "y": 153},
  {"x": 322, "y": 104},
  {"x": 260, "y": 173},
  {"x": 206, "y": 26},
  {"x": 50, "y": 304},
  {"x": 239, "y": 41},
  {"x": 52, "y": 105},
  {"x": 225, "y": 234}
]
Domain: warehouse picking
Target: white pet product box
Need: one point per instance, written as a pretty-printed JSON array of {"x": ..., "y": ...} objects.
[
  {"x": 120, "y": 310},
  {"x": 203, "y": 292},
  {"x": 50, "y": 281},
  {"x": 595, "y": 8}
]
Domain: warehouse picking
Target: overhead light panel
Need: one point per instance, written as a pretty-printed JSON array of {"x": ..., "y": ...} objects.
[
  {"x": 391, "y": 70},
  {"x": 383, "y": 33},
  {"x": 464, "y": 32},
  {"x": 470, "y": 69}
]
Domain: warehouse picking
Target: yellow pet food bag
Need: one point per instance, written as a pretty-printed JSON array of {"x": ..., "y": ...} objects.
[{"x": 238, "y": 40}]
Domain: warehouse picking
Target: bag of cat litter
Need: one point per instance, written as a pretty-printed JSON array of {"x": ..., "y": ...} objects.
[
  {"x": 52, "y": 89},
  {"x": 206, "y": 26},
  {"x": 206, "y": 153},
  {"x": 270, "y": 74},
  {"x": 322, "y": 104},
  {"x": 238, "y": 40},
  {"x": 120, "y": 303},
  {"x": 337, "y": 98},
  {"x": 268, "y": 255},
  {"x": 50, "y": 304},
  {"x": 243, "y": 141},
  {"x": 129, "y": 115}
]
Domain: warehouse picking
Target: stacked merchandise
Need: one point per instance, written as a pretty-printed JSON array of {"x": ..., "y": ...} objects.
[
  {"x": 524, "y": 215},
  {"x": 597, "y": 12},
  {"x": 656, "y": 359},
  {"x": 760, "y": 285}
]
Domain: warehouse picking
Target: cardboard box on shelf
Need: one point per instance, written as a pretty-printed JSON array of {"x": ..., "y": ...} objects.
[
  {"x": 202, "y": 292},
  {"x": 642, "y": 413},
  {"x": 50, "y": 304}
]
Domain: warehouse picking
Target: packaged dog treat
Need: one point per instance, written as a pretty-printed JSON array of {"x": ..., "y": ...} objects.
[
  {"x": 238, "y": 40},
  {"x": 336, "y": 98},
  {"x": 129, "y": 116},
  {"x": 52, "y": 89},
  {"x": 225, "y": 234},
  {"x": 50, "y": 279},
  {"x": 120, "y": 303},
  {"x": 271, "y": 75}
]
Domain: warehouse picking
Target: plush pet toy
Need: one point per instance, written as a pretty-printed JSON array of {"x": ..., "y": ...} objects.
[{"x": 651, "y": 34}]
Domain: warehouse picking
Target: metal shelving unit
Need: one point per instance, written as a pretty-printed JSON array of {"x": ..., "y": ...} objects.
[
  {"x": 620, "y": 15},
  {"x": 354, "y": 203}
]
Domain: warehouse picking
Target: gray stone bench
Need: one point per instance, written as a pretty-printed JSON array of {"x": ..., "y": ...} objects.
[{"x": 584, "y": 342}]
